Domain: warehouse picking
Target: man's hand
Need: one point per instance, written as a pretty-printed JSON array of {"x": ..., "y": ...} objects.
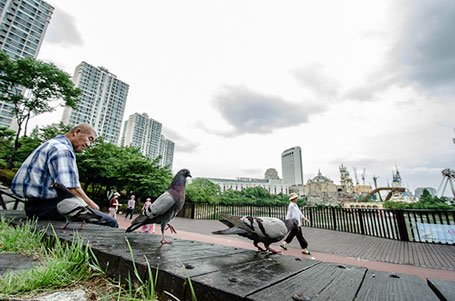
[
  {"x": 80, "y": 193},
  {"x": 93, "y": 205}
]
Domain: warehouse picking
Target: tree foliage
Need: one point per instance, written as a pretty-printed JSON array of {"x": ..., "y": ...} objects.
[
  {"x": 426, "y": 201},
  {"x": 32, "y": 87},
  {"x": 204, "y": 191},
  {"x": 105, "y": 167}
]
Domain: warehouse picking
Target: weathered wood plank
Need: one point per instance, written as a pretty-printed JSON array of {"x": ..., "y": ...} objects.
[
  {"x": 174, "y": 280},
  {"x": 444, "y": 289},
  {"x": 320, "y": 282},
  {"x": 236, "y": 282},
  {"x": 379, "y": 285}
]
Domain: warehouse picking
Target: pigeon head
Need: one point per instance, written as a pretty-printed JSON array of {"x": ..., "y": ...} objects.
[
  {"x": 178, "y": 183},
  {"x": 185, "y": 173},
  {"x": 62, "y": 191},
  {"x": 291, "y": 223},
  {"x": 59, "y": 187}
]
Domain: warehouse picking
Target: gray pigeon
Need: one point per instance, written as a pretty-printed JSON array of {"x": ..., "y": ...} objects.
[
  {"x": 165, "y": 207},
  {"x": 259, "y": 229},
  {"x": 73, "y": 208}
]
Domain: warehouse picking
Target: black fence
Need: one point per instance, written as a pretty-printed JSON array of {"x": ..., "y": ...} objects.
[{"x": 430, "y": 226}]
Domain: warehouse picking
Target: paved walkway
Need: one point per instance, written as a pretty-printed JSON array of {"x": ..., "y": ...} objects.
[{"x": 425, "y": 260}]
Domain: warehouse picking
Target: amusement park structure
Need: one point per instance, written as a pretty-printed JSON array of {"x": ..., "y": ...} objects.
[{"x": 448, "y": 177}]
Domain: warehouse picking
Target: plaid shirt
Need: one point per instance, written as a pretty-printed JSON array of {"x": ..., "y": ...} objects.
[{"x": 52, "y": 162}]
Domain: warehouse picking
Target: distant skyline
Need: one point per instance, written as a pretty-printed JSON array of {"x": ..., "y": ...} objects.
[{"x": 369, "y": 84}]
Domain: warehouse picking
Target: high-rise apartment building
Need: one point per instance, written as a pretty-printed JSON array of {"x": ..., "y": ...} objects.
[
  {"x": 23, "y": 24},
  {"x": 145, "y": 133},
  {"x": 166, "y": 152},
  {"x": 291, "y": 165},
  {"x": 102, "y": 102}
]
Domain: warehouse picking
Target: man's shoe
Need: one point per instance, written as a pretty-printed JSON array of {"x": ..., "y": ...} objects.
[{"x": 284, "y": 246}]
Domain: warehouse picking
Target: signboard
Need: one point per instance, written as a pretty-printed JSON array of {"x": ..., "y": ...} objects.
[{"x": 436, "y": 232}]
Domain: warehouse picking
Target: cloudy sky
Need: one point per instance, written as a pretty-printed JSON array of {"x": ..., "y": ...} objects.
[{"x": 367, "y": 84}]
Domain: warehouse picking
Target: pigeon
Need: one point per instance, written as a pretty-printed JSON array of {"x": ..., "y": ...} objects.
[
  {"x": 73, "y": 208},
  {"x": 259, "y": 229},
  {"x": 165, "y": 207}
]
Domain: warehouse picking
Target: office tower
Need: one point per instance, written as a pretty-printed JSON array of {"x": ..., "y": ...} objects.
[
  {"x": 23, "y": 24},
  {"x": 166, "y": 152},
  {"x": 145, "y": 133},
  {"x": 102, "y": 102},
  {"x": 291, "y": 165}
]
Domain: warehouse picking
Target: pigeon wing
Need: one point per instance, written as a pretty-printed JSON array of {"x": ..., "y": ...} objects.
[
  {"x": 235, "y": 221},
  {"x": 161, "y": 205},
  {"x": 67, "y": 206},
  {"x": 266, "y": 228}
]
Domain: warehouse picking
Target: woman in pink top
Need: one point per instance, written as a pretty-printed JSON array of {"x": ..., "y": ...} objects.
[{"x": 149, "y": 228}]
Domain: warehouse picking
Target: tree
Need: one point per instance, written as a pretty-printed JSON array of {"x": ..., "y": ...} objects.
[
  {"x": 30, "y": 86},
  {"x": 6, "y": 142},
  {"x": 202, "y": 191},
  {"x": 105, "y": 166}
]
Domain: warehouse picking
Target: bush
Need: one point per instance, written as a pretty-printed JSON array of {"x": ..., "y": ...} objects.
[{"x": 6, "y": 176}]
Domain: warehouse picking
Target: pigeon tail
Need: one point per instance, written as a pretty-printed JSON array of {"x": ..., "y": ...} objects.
[
  {"x": 233, "y": 230},
  {"x": 138, "y": 222}
]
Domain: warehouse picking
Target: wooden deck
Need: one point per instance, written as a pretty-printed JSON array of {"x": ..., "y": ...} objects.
[
  {"x": 230, "y": 273},
  {"x": 440, "y": 256}
]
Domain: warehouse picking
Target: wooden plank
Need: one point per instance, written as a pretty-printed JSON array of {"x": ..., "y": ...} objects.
[
  {"x": 444, "y": 289},
  {"x": 379, "y": 285},
  {"x": 236, "y": 282},
  {"x": 321, "y": 282},
  {"x": 173, "y": 276}
]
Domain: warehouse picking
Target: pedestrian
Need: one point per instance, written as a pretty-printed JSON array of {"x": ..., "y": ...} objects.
[
  {"x": 149, "y": 228},
  {"x": 55, "y": 162},
  {"x": 130, "y": 209},
  {"x": 113, "y": 205},
  {"x": 294, "y": 212}
]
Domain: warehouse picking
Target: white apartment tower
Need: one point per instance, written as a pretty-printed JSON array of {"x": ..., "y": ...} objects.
[
  {"x": 166, "y": 152},
  {"x": 145, "y": 133},
  {"x": 102, "y": 102},
  {"x": 291, "y": 165},
  {"x": 23, "y": 24}
]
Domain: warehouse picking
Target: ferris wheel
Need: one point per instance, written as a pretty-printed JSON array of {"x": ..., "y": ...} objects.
[{"x": 448, "y": 177}]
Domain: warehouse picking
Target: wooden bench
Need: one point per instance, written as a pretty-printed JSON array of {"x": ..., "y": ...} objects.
[{"x": 5, "y": 191}]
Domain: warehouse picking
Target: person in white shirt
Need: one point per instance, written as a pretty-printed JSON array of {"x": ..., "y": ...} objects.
[
  {"x": 130, "y": 209},
  {"x": 294, "y": 212}
]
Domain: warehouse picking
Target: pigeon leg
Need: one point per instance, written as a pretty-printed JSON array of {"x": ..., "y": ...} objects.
[
  {"x": 164, "y": 241},
  {"x": 65, "y": 225},
  {"x": 255, "y": 243},
  {"x": 169, "y": 226},
  {"x": 82, "y": 224},
  {"x": 273, "y": 251}
]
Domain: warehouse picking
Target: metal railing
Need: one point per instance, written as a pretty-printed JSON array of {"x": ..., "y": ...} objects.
[{"x": 430, "y": 226}]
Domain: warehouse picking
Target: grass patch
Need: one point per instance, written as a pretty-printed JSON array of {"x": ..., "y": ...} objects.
[
  {"x": 62, "y": 264},
  {"x": 66, "y": 265}
]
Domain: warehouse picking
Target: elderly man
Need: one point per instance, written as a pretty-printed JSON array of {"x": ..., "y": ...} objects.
[{"x": 55, "y": 162}]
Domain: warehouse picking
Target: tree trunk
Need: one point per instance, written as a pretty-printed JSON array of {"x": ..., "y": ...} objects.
[
  {"x": 17, "y": 145},
  {"x": 26, "y": 124}
]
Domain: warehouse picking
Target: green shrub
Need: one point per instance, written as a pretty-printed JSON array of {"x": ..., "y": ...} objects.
[{"x": 6, "y": 176}]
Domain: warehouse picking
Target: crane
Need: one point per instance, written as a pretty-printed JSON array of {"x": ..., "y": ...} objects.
[{"x": 355, "y": 175}]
